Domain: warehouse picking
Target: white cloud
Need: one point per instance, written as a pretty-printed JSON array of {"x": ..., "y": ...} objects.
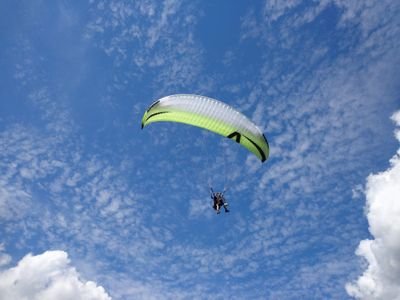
[
  {"x": 47, "y": 276},
  {"x": 381, "y": 279}
]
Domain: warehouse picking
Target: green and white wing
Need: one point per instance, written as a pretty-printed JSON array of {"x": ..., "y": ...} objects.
[{"x": 212, "y": 115}]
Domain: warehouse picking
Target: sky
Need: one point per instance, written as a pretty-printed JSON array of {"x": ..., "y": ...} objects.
[{"x": 93, "y": 207}]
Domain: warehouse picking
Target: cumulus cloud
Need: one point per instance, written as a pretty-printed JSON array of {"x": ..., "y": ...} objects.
[
  {"x": 47, "y": 276},
  {"x": 381, "y": 279}
]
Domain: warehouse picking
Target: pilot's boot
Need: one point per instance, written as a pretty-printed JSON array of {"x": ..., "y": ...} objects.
[{"x": 226, "y": 207}]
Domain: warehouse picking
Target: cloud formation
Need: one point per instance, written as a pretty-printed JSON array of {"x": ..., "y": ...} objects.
[
  {"x": 47, "y": 276},
  {"x": 381, "y": 279},
  {"x": 133, "y": 207}
]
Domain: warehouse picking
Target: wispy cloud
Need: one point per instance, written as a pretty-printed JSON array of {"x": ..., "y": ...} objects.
[
  {"x": 310, "y": 120},
  {"x": 5, "y": 259},
  {"x": 149, "y": 38},
  {"x": 380, "y": 280}
]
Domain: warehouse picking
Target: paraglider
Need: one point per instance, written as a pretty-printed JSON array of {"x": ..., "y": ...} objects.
[
  {"x": 212, "y": 115},
  {"x": 219, "y": 201}
]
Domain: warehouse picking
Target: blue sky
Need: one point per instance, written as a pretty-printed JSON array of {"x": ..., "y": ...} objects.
[{"x": 92, "y": 206}]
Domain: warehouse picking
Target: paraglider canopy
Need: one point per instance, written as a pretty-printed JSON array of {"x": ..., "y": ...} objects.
[{"x": 212, "y": 115}]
